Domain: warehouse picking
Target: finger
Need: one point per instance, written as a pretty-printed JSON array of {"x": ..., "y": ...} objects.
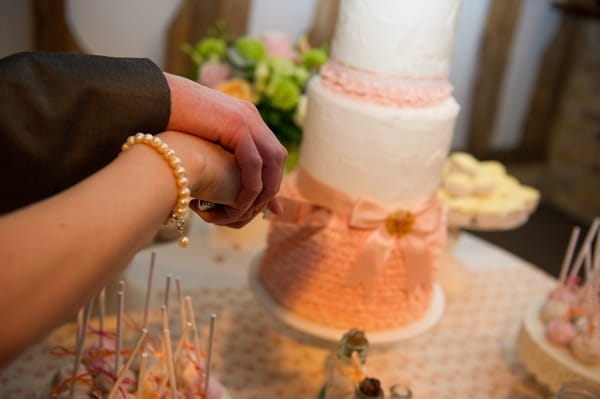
[
  {"x": 273, "y": 155},
  {"x": 224, "y": 215},
  {"x": 275, "y": 206},
  {"x": 272, "y": 173},
  {"x": 250, "y": 163}
]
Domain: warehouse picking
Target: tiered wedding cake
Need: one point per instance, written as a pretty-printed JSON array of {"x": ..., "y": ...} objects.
[{"x": 359, "y": 242}]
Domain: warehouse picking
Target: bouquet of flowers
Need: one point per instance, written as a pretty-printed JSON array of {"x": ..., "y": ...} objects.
[{"x": 269, "y": 71}]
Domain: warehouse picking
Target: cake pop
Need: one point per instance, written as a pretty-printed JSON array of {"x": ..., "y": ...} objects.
[
  {"x": 554, "y": 309},
  {"x": 560, "y": 332},
  {"x": 586, "y": 347}
]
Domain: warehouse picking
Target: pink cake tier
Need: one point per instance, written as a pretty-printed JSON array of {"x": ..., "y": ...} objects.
[{"x": 310, "y": 264}]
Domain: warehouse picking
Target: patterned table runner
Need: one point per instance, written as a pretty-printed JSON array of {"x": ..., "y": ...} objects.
[{"x": 469, "y": 353}]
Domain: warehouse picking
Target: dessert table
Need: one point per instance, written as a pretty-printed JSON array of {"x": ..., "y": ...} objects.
[{"x": 469, "y": 353}]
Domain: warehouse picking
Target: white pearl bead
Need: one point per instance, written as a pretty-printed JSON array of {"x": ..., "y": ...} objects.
[
  {"x": 156, "y": 141},
  {"x": 131, "y": 140},
  {"x": 179, "y": 171},
  {"x": 163, "y": 148},
  {"x": 125, "y": 147},
  {"x": 148, "y": 138},
  {"x": 170, "y": 153},
  {"x": 139, "y": 137},
  {"x": 183, "y": 241},
  {"x": 184, "y": 192},
  {"x": 180, "y": 211},
  {"x": 184, "y": 201},
  {"x": 182, "y": 182},
  {"x": 175, "y": 162}
]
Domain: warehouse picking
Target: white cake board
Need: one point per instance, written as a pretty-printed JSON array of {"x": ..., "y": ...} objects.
[{"x": 431, "y": 317}]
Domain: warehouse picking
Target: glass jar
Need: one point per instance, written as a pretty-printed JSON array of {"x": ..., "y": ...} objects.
[
  {"x": 400, "y": 391},
  {"x": 578, "y": 390}
]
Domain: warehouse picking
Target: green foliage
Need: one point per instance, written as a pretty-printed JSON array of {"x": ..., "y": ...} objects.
[{"x": 278, "y": 83}]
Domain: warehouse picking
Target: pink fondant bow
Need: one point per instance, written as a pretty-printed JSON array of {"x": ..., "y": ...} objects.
[{"x": 416, "y": 230}]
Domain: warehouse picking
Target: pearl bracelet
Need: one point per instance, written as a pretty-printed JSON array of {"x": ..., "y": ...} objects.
[{"x": 183, "y": 192}]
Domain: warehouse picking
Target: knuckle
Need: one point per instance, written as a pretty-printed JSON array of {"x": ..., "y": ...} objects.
[
  {"x": 255, "y": 163},
  {"x": 255, "y": 188},
  {"x": 237, "y": 122},
  {"x": 249, "y": 107}
]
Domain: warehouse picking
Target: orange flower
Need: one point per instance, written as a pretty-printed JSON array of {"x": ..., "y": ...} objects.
[{"x": 238, "y": 88}]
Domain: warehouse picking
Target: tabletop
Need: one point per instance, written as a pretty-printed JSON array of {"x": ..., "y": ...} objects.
[{"x": 468, "y": 353}]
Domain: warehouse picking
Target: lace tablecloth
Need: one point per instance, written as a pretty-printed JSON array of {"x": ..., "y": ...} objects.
[{"x": 470, "y": 353}]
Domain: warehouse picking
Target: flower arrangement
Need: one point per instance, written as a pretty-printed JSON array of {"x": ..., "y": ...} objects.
[{"x": 270, "y": 71}]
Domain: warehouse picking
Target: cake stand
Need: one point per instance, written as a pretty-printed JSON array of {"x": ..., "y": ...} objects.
[
  {"x": 431, "y": 317},
  {"x": 550, "y": 364}
]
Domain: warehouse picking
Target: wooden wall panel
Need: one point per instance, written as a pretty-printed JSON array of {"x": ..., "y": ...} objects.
[
  {"x": 192, "y": 22},
  {"x": 503, "y": 18},
  {"x": 50, "y": 29},
  {"x": 324, "y": 22}
]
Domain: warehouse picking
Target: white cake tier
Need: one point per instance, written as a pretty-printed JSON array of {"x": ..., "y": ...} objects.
[
  {"x": 390, "y": 155},
  {"x": 393, "y": 37}
]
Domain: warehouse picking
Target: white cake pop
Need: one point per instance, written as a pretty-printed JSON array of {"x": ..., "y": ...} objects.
[
  {"x": 564, "y": 294},
  {"x": 581, "y": 323},
  {"x": 554, "y": 309},
  {"x": 586, "y": 348},
  {"x": 560, "y": 332},
  {"x": 105, "y": 382}
]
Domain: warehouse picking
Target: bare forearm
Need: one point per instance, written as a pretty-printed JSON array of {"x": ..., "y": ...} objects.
[{"x": 58, "y": 253}]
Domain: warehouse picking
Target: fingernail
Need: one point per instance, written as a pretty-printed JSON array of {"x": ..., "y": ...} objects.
[{"x": 276, "y": 207}]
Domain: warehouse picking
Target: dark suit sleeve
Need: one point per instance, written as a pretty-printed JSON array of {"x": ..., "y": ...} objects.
[{"x": 64, "y": 116}]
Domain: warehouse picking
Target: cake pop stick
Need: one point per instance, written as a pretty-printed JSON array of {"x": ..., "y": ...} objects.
[
  {"x": 141, "y": 376},
  {"x": 170, "y": 363},
  {"x": 149, "y": 289},
  {"x": 79, "y": 324},
  {"x": 585, "y": 247},
  {"x": 178, "y": 348},
  {"x": 569, "y": 255},
  {"x": 127, "y": 365},
  {"x": 596, "y": 262},
  {"x": 164, "y": 316},
  {"x": 211, "y": 338},
  {"x": 168, "y": 289},
  {"x": 80, "y": 341},
  {"x": 120, "y": 308},
  {"x": 180, "y": 300},
  {"x": 192, "y": 318},
  {"x": 102, "y": 314},
  {"x": 182, "y": 340},
  {"x": 588, "y": 264}
]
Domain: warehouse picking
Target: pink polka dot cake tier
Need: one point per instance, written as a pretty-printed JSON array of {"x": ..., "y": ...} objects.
[
  {"x": 360, "y": 239},
  {"x": 308, "y": 269}
]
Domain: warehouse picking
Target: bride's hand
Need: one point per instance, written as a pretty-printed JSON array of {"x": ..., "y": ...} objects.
[
  {"x": 213, "y": 176},
  {"x": 237, "y": 126}
]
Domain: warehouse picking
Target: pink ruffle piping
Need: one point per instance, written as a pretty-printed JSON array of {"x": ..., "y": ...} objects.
[{"x": 385, "y": 89}]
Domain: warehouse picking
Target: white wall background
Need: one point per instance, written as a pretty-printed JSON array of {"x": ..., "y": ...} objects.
[{"x": 137, "y": 28}]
